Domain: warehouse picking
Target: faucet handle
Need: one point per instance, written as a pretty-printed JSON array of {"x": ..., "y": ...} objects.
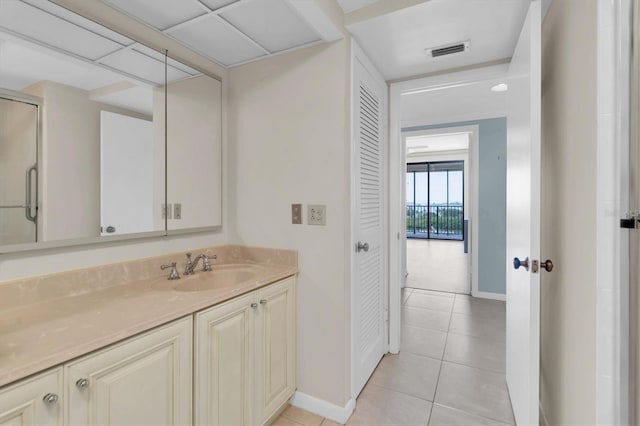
[
  {"x": 173, "y": 275},
  {"x": 206, "y": 266}
]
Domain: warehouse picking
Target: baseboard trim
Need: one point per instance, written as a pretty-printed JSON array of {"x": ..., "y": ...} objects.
[
  {"x": 323, "y": 408},
  {"x": 488, "y": 295}
]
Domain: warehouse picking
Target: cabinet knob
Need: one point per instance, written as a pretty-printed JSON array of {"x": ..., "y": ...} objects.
[
  {"x": 254, "y": 305},
  {"x": 50, "y": 399},
  {"x": 263, "y": 302},
  {"x": 82, "y": 383}
]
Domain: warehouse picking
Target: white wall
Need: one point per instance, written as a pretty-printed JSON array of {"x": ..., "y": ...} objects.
[
  {"x": 569, "y": 206},
  {"x": 194, "y": 149},
  {"x": 289, "y": 140}
]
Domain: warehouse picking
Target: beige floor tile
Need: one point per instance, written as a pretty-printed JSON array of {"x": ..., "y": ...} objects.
[
  {"x": 422, "y": 341},
  {"x": 426, "y": 318},
  {"x": 437, "y": 265},
  {"x": 327, "y": 422},
  {"x": 379, "y": 406},
  {"x": 435, "y": 293},
  {"x": 446, "y": 416},
  {"x": 475, "y": 306},
  {"x": 490, "y": 328},
  {"x": 301, "y": 416},
  {"x": 428, "y": 301},
  {"x": 284, "y": 421},
  {"x": 474, "y": 391},
  {"x": 408, "y": 373},
  {"x": 475, "y": 352}
]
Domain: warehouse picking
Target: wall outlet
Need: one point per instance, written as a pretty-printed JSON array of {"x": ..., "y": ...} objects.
[
  {"x": 177, "y": 211},
  {"x": 296, "y": 214},
  {"x": 316, "y": 214},
  {"x": 166, "y": 211}
]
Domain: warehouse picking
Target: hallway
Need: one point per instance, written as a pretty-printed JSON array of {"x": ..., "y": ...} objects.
[{"x": 450, "y": 370}]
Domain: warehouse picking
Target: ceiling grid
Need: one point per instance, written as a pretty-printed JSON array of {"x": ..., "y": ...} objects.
[{"x": 229, "y": 32}]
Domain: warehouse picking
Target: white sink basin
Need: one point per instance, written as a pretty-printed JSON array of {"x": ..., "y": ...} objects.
[{"x": 219, "y": 277}]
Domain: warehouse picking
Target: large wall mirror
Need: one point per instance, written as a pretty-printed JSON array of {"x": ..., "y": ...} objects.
[{"x": 83, "y": 135}]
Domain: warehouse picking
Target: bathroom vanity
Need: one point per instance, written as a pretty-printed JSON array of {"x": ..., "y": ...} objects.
[{"x": 120, "y": 344}]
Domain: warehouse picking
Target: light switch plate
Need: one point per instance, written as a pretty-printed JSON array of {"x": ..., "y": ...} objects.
[
  {"x": 296, "y": 214},
  {"x": 316, "y": 214},
  {"x": 177, "y": 211}
]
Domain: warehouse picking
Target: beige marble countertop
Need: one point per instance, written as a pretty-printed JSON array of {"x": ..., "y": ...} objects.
[{"x": 37, "y": 336}]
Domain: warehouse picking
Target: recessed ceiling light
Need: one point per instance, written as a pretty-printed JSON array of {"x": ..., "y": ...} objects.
[{"x": 502, "y": 87}]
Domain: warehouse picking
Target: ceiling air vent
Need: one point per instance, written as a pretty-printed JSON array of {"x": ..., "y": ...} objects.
[{"x": 450, "y": 49}]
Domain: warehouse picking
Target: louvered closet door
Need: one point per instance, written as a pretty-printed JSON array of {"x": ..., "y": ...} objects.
[{"x": 369, "y": 290}]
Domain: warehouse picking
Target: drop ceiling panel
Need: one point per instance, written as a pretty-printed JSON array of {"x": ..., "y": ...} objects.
[
  {"x": 137, "y": 64},
  {"x": 271, "y": 24},
  {"x": 218, "y": 40},
  {"x": 22, "y": 66},
  {"x": 39, "y": 25},
  {"x": 69, "y": 16},
  {"x": 217, "y": 4},
  {"x": 160, "y": 14}
]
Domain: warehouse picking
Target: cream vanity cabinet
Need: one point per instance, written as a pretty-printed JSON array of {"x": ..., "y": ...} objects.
[
  {"x": 33, "y": 401},
  {"x": 146, "y": 380},
  {"x": 244, "y": 367}
]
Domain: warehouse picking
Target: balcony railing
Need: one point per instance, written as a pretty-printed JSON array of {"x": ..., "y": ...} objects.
[{"x": 437, "y": 222}]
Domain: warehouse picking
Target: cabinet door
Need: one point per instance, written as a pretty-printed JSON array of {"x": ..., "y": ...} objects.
[
  {"x": 275, "y": 353},
  {"x": 33, "y": 401},
  {"x": 146, "y": 380},
  {"x": 224, "y": 363}
]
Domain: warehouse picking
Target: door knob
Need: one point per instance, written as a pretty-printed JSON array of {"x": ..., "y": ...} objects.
[
  {"x": 547, "y": 265},
  {"x": 82, "y": 383},
  {"x": 50, "y": 399},
  {"x": 111, "y": 229},
  {"x": 362, "y": 247},
  {"x": 517, "y": 263}
]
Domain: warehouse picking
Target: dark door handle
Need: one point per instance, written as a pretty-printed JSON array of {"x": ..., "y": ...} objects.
[
  {"x": 547, "y": 265},
  {"x": 517, "y": 263},
  {"x": 111, "y": 229}
]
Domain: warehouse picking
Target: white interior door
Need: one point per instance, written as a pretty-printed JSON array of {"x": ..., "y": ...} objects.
[
  {"x": 523, "y": 221},
  {"x": 369, "y": 328},
  {"x": 126, "y": 174}
]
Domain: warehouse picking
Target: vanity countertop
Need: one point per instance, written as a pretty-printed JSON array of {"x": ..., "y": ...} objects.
[{"x": 40, "y": 335}]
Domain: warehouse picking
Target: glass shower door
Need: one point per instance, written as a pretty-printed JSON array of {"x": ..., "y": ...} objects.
[{"x": 18, "y": 171}]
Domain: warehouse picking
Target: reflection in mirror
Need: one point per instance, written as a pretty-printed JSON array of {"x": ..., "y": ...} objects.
[
  {"x": 18, "y": 168},
  {"x": 82, "y": 105},
  {"x": 194, "y": 147}
]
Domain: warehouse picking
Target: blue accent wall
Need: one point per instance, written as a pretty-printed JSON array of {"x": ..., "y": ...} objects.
[{"x": 492, "y": 196}]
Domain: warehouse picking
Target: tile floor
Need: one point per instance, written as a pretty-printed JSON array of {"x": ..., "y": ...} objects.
[
  {"x": 437, "y": 265},
  {"x": 450, "y": 370}
]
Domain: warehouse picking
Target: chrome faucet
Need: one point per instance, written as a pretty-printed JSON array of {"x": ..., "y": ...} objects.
[
  {"x": 174, "y": 275},
  {"x": 190, "y": 267}
]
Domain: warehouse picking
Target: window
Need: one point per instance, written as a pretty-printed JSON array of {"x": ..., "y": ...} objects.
[{"x": 435, "y": 200}]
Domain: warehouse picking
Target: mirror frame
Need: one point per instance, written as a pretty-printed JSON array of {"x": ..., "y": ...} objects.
[{"x": 101, "y": 240}]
